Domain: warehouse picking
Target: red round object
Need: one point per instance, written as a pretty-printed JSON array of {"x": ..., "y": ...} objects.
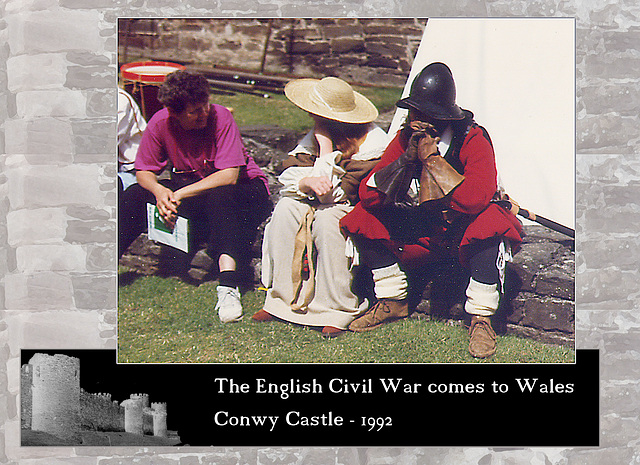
[
  {"x": 149, "y": 72},
  {"x": 143, "y": 79}
]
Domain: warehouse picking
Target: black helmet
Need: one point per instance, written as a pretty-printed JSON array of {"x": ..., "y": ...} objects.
[{"x": 433, "y": 92}]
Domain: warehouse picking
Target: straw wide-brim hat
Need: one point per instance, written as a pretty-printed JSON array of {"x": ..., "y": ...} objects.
[{"x": 331, "y": 98}]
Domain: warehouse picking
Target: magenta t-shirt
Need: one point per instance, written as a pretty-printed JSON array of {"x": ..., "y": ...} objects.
[{"x": 199, "y": 151}]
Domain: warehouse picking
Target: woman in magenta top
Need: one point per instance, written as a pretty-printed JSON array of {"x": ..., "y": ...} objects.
[
  {"x": 214, "y": 182},
  {"x": 212, "y": 144}
]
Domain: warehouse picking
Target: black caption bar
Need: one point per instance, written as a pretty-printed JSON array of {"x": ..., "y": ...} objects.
[{"x": 521, "y": 405}]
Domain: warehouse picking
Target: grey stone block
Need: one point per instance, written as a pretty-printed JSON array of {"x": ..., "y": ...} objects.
[
  {"x": 197, "y": 274},
  {"x": 546, "y": 313},
  {"x": 87, "y": 58},
  {"x": 606, "y": 133},
  {"x": 42, "y": 136},
  {"x": 601, "y": 456},
  {"x": 189, "y": 460},
  {"x": 49, "y": 186},
  {"x": 622, "y": 253},
  {"x": 55, "y": 30},
  {"x": 56, "y": 103},
  {"x": 56, "y": 257},
  {"x": 557, "y": 282},
  {"x": 202, "y": 261},
  {"x": 101, "y": 257},
  {"x": 87, "y": 4},
  {"x": 42, "y": 291},
  {"x": 617, "y": 432},
  {"x": 413, "y": 8},
  {"x": 619, "y": 399},
  {"x": 606, "y": 288},
  {"x": 36, "y": 226},
  {"x": 84, "y": 232},
  {"x": 25, "y": 72},
  {"x": 100, "y": 102},
  {"x": 346, "y": 45},
  {"x": 621, "y": 98},
  {"x": 94, "y": 136},
  {"x": 87, "y": 213},
  {"x": 91, "y": 77},
  {"x": 94, "y": 292}
]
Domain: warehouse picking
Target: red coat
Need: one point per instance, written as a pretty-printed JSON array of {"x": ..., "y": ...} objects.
[{"x": 472, "y": 198}]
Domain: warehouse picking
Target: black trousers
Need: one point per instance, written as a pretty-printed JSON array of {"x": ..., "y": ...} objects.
[
  {"x": 226, "y": 218},
  {"x": 483, "y": 257}
]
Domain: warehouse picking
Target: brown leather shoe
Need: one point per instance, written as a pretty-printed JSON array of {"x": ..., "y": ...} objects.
[
  {"x": 483, "y": 338},
  {"x": 384, "y": 311},
  {"x": 263, "y": 316}
]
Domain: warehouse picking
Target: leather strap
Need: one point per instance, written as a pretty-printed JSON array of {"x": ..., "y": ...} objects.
[{"x": 303, "y": 242}]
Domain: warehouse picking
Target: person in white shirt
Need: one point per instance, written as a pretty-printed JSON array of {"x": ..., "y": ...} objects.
[{"x": 131, "y": 125}]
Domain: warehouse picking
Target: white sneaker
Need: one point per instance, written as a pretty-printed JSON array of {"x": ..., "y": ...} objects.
[{"x": 228, "y": 307}]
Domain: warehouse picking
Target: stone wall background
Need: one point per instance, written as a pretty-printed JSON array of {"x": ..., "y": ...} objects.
[
  {"x": 57, "y": 201},
  {"x": 357, "y": 50}
]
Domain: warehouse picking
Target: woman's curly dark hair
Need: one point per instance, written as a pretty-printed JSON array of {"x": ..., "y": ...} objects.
[{"x": 183, "y": 87}]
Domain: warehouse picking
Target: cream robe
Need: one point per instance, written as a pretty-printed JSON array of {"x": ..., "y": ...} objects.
[{"x": 333, "y": 303}]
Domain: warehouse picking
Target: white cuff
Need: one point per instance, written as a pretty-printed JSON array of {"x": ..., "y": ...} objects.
[
  {"x": 482, "y": 299},
  {"x": 390, "y": 282}
]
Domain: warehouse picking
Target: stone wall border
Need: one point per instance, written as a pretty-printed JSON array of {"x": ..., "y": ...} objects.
[{"x": 58, "y": 284}]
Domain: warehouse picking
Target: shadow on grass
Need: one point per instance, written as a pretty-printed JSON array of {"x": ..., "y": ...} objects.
[
  {"x": 127, "y": 278},
  {"x": 167, "y": 321}
]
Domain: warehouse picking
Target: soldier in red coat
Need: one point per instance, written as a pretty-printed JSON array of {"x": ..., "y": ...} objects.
[{"x": 398, "y": 225}]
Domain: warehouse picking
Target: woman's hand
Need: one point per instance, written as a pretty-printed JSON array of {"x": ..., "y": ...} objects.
[
  {"x": 167, "y": 203},
  {"x": 318, "y": 185},
  {"x": 166, "y": 200}
]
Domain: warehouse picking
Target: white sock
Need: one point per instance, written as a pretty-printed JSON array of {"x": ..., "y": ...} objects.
[
  {"x": 482, "y": 299},
  {"x": 390, "y": 282}
]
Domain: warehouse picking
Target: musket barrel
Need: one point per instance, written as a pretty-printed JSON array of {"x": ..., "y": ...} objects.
[
  {"x": 539, "y": 219},
  {"x": 555, "y": 226}
]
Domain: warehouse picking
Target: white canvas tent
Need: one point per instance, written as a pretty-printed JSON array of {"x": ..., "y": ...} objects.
[{"x": 518, "y": 78}]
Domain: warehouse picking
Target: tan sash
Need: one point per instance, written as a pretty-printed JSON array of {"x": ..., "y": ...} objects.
[{"x": 303, "y": 241}]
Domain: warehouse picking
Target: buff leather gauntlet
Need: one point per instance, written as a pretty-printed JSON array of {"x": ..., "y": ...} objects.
[
  {"x": 394, "y": 179},
  {"x": 438, "y": 179}
]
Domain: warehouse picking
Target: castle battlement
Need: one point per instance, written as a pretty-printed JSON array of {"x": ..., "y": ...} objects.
[
  {"x": 159, "y": 407},
  {"x": 54, "y": 402}
]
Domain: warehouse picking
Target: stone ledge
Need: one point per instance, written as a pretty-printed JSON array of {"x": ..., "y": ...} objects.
[{"x": 528, "y": 310}]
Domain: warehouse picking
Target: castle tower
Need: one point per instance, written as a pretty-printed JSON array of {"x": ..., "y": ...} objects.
[
  {"x": 26, "y": 381},
  {"x": 55, "y": 394},
  {"x": 133, "y": 418},
  {"x": 159, "y": 419}
]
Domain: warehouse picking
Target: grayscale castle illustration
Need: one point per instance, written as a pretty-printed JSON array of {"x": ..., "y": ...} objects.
[{"x": 53, "y": 402}]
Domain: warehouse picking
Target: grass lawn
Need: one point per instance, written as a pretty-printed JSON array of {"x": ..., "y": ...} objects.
[
  {"x": 249, "y": 109},
  {"x": 167, "y": 320}
]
